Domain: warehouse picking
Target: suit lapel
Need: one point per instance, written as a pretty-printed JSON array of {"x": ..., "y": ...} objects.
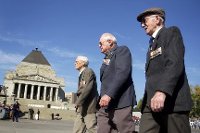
[
  {"x": 104, "y": 66},
  {"x": 153, "y": 47}
]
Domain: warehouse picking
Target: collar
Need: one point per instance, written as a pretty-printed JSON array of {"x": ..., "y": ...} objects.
[
  {"x": 156, "y": 32},
  {"x": 81, "y": 70},
  {"x": 110, "y": 52}
]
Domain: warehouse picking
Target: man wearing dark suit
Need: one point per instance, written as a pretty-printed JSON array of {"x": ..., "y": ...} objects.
[
  {"x": 167, "y": 99},
  {"x": 117, "y": 91},
  {"x": 87, "y": 96}
]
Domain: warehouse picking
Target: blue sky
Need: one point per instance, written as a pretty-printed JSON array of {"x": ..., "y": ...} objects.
[{"x": 64, "y": 29}]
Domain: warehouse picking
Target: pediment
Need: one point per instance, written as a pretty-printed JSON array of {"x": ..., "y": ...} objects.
[{"x": 37, "y": 78}]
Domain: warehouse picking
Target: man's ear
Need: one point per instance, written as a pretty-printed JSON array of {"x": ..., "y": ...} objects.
[{"x": 111, "y": 42}]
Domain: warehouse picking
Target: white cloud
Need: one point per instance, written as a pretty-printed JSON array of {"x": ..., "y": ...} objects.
[
  {"x": 63, "y": 53},
  {"x": 9, "y": 61},
  {"x": 121, "y": 36},
  {"x": 71, "y": 84},
  {"x": 193, "y": 71},
  {"x": 8, "y": 58},
  {"x": 23, "y": 42}
]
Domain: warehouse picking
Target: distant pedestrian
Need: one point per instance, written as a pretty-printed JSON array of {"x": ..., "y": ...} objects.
[
  {"x": 38, "y": 112},
  {"x": 15, "y": 111},
  {"x": 31, "y": 113},
  {"x": 52, "y": 116}
]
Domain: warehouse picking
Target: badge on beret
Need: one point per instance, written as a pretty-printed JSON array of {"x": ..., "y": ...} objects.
[{"x": 155, "y": 53}]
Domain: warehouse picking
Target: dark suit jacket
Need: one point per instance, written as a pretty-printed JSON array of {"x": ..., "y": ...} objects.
[
  {"x": 165, "y": 71},
  {"x": 116, "y": 79},
  {"x": 87, "y": 92}
]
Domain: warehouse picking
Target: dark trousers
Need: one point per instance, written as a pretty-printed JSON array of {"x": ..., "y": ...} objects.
[
  {"x": 165, "y": 123},
  {"x": 15, "y": 116},
  {"x": 114, "y": 121}
]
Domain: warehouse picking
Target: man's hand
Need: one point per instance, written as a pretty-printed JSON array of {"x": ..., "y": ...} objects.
[
  {"x": 104, "y": 101},
  {"x": 157, "y": 101}
]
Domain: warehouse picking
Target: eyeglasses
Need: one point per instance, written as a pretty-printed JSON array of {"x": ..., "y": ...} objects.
[
  {"x": 103, "y": 44},
  {"x": 100, "y": 44}
]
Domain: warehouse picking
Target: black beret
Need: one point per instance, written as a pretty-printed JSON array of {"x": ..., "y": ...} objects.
[{"x": 151, "y": 11}]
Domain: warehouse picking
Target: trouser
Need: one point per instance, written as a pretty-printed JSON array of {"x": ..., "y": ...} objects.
[
  {"x": 114, "y": 121},
  {"x": 165, "y": 123},
  {"x": 87, "y": 123},
  {"x": 15, "y": 116}
]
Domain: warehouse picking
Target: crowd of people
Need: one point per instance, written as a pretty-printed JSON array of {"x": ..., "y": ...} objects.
[{"x": 195, "y": 123}]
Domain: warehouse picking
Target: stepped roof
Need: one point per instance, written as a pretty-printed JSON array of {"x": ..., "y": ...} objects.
[{"x": 36, "y": 57}]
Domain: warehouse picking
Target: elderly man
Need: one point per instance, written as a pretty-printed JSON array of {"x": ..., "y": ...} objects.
[
  {"x": 167, "y": 99},
  {"x": 87, "y": 96},
  {"x": 117, "y": 90}
]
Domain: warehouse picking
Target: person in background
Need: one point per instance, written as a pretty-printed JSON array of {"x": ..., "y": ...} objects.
[
  {"x": 167, "y": 99},
  {"x": 15, "y": 111},
  {"x": 38, "y": 112},
  {"x": 117, "y": 94},
  {"x": 87, "y": 96}
]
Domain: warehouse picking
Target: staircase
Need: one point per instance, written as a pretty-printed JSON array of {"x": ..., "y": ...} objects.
[{"x": 65, "y": 110}]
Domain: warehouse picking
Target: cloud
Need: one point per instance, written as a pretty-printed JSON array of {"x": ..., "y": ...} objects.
[
  {"x": 10, "y": 58},
  {"x": 121, "y": 36},
  {"x": 193, "y": 71},
  {"x": 8, "y": 61},
  {"x": 23, "y": 42},
  {"x": 63, "y": 53},
  {"x": 70, "y": 81}
]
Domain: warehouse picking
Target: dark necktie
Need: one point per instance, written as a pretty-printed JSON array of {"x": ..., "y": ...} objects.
[
  {"x": 151, "y": 42},
  {"x": 79, "y": 79}
]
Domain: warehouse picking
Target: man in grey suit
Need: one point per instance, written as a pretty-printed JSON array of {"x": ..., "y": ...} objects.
[
  {"x": 167, "y": 99},
  {"x": 117, "y": 91},
  {"x": 87, "y": 96}
]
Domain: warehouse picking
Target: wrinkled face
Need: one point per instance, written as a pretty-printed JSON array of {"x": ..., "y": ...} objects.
[
  {"x": 105, "y": 45},
  {"x": 78, "y": 64},
  {"x": 150, "y": 23}
]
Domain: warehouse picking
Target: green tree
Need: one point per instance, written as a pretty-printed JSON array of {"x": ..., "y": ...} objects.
[
  {"x": 138, "y": 107},
  {"x": 195, "y": 92}
]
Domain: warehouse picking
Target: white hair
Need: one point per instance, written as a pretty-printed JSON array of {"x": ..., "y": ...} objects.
[
  {"x": 84, "y": 59},
  {"x": 109, "y": 36}
]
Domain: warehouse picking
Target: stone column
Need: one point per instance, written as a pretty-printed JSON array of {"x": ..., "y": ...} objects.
[
  {"x": 44, "y": 94},
  {"x": 18, "y": 90},
  {"x": 32, "y": 87},
  {"x": 51, "y": 93},
  {"x": 25, "y": 91},
  {"x": 38, "y": 93},
  {"x": 56, "y": 95}
]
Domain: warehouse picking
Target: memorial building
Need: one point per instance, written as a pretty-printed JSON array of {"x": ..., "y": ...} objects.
[{"x": 34, "y": 79}]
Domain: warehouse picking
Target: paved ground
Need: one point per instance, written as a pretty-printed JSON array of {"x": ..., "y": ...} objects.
[
  {"x": 41, "y": 126},
  {"x": 34, "y": 126}
]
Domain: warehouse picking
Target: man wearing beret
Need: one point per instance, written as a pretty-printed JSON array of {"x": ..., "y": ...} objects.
[{"x": 167, "y": 99}]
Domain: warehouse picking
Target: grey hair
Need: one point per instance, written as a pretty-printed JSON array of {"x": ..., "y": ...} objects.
[
  {"x": 84, "y": 59},
  {"x": 162, "y": 20},
  {"x": 109, "y": 36}
]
